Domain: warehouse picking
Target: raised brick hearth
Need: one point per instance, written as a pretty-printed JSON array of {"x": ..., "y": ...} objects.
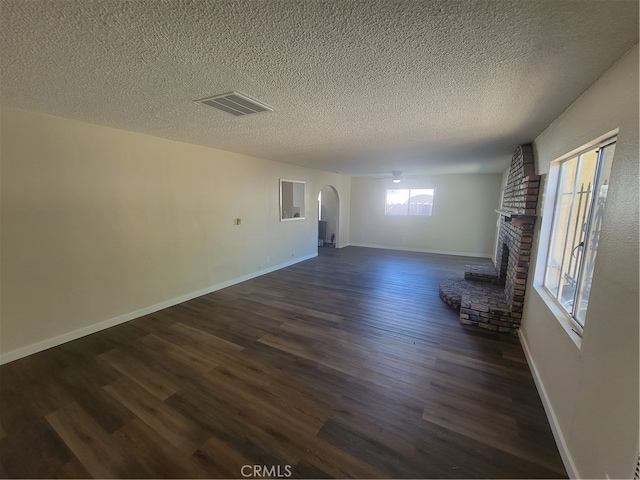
[{"x": 492, "y": 296}]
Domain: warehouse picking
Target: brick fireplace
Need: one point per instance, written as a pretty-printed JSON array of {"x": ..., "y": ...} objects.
[{"x": 492, "y": 296}]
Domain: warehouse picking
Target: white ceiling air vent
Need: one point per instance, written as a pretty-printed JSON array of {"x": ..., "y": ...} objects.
[{"x": 235, "y": 103}]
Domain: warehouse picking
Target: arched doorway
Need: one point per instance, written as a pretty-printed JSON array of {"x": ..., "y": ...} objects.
[{"x": 329, "y": 212}]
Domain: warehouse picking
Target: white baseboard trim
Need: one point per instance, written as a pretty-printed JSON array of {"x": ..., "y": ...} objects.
[
  {"x": 572, "y": 472},
  {"x": 421, "y": 250},
  {"x": 96, "y": 327}
]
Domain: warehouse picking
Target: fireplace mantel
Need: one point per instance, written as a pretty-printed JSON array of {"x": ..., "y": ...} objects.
[{"x": 516, "y": 218}]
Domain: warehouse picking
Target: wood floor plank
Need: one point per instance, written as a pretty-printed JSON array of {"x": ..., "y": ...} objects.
[
  {"x": 232, "y": 387},
  {"x": 28, "y": 385},
  {"x": 309, "y": 352},
  {"x": 157, "y": 454},
  {"x": 459, "y": 456},
  {"x": 347, "y": 365},
  {"x": 503, "y": 434},
  {"x": 336, "y": 462},
  {"x": 146, "y": 374},
  {"x": 86, "y": 389},
  {"x": 273, "y": 438},
  {"x": 377, "y": 429},
  {"x": 161, "y": 323},
  {"x": 30, "y": 437},
  {"x": 180, "y": 354},
  {"x": 221, "y": 460},
  {"x": 305, "y": 470},
  {"x": 72, "y": 469},
  {"x": 223, "y": 418},
  {"x": 368, "y": 450},
  {"x": 148, "y": 353},
  {"x": 468, "y": 417},
  {"x": 98, "y": 453},
  {"x": 300, "y": 310},
  {"x": 178, "y": 430},
  {"x": 295, "y": 395},
  {"x": 199, "y": 336}
]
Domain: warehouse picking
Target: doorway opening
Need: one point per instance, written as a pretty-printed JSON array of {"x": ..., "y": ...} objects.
[{"x": 328, "y": 217}]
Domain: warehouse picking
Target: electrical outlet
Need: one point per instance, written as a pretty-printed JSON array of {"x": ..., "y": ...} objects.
[
  {"x": 268, "y": 259},
  {"x": 238, "y": 221}
]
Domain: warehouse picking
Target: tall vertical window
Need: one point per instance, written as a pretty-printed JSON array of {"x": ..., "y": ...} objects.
[
  {"x": 583, "y": 181},
  {"x": 409, "y": 201}
]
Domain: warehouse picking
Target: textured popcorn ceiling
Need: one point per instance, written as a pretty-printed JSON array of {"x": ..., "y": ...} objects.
[{"x": 359, "y": 87}]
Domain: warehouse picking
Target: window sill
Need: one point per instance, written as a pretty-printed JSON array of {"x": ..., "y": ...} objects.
[{"x": 565, "y": 321}]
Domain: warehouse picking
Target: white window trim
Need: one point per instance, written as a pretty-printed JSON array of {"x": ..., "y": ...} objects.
[
  {"x": 573, "y": 329},
  {"x": 566, "y": 321}
]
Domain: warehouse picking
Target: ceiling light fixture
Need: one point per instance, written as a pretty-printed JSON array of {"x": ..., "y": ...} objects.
[{"x": 396, "y": 180}]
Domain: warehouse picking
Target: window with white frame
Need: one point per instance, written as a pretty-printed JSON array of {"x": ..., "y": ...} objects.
[
  {"x": 581, "y": 191},
  {"x": 409, "y": 201}
]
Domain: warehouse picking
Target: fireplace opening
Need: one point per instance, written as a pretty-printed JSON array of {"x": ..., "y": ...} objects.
[{"x": 504, "y": 264}]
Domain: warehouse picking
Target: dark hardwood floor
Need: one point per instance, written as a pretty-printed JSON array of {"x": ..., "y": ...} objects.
[{"x": 346, "y": 365}]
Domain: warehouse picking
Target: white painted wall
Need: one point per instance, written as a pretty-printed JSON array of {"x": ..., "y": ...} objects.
[
  {"x": 591, "y": 389},
  {"x": 100, "y": 225},
  {"x": 463, "y": 220}
]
